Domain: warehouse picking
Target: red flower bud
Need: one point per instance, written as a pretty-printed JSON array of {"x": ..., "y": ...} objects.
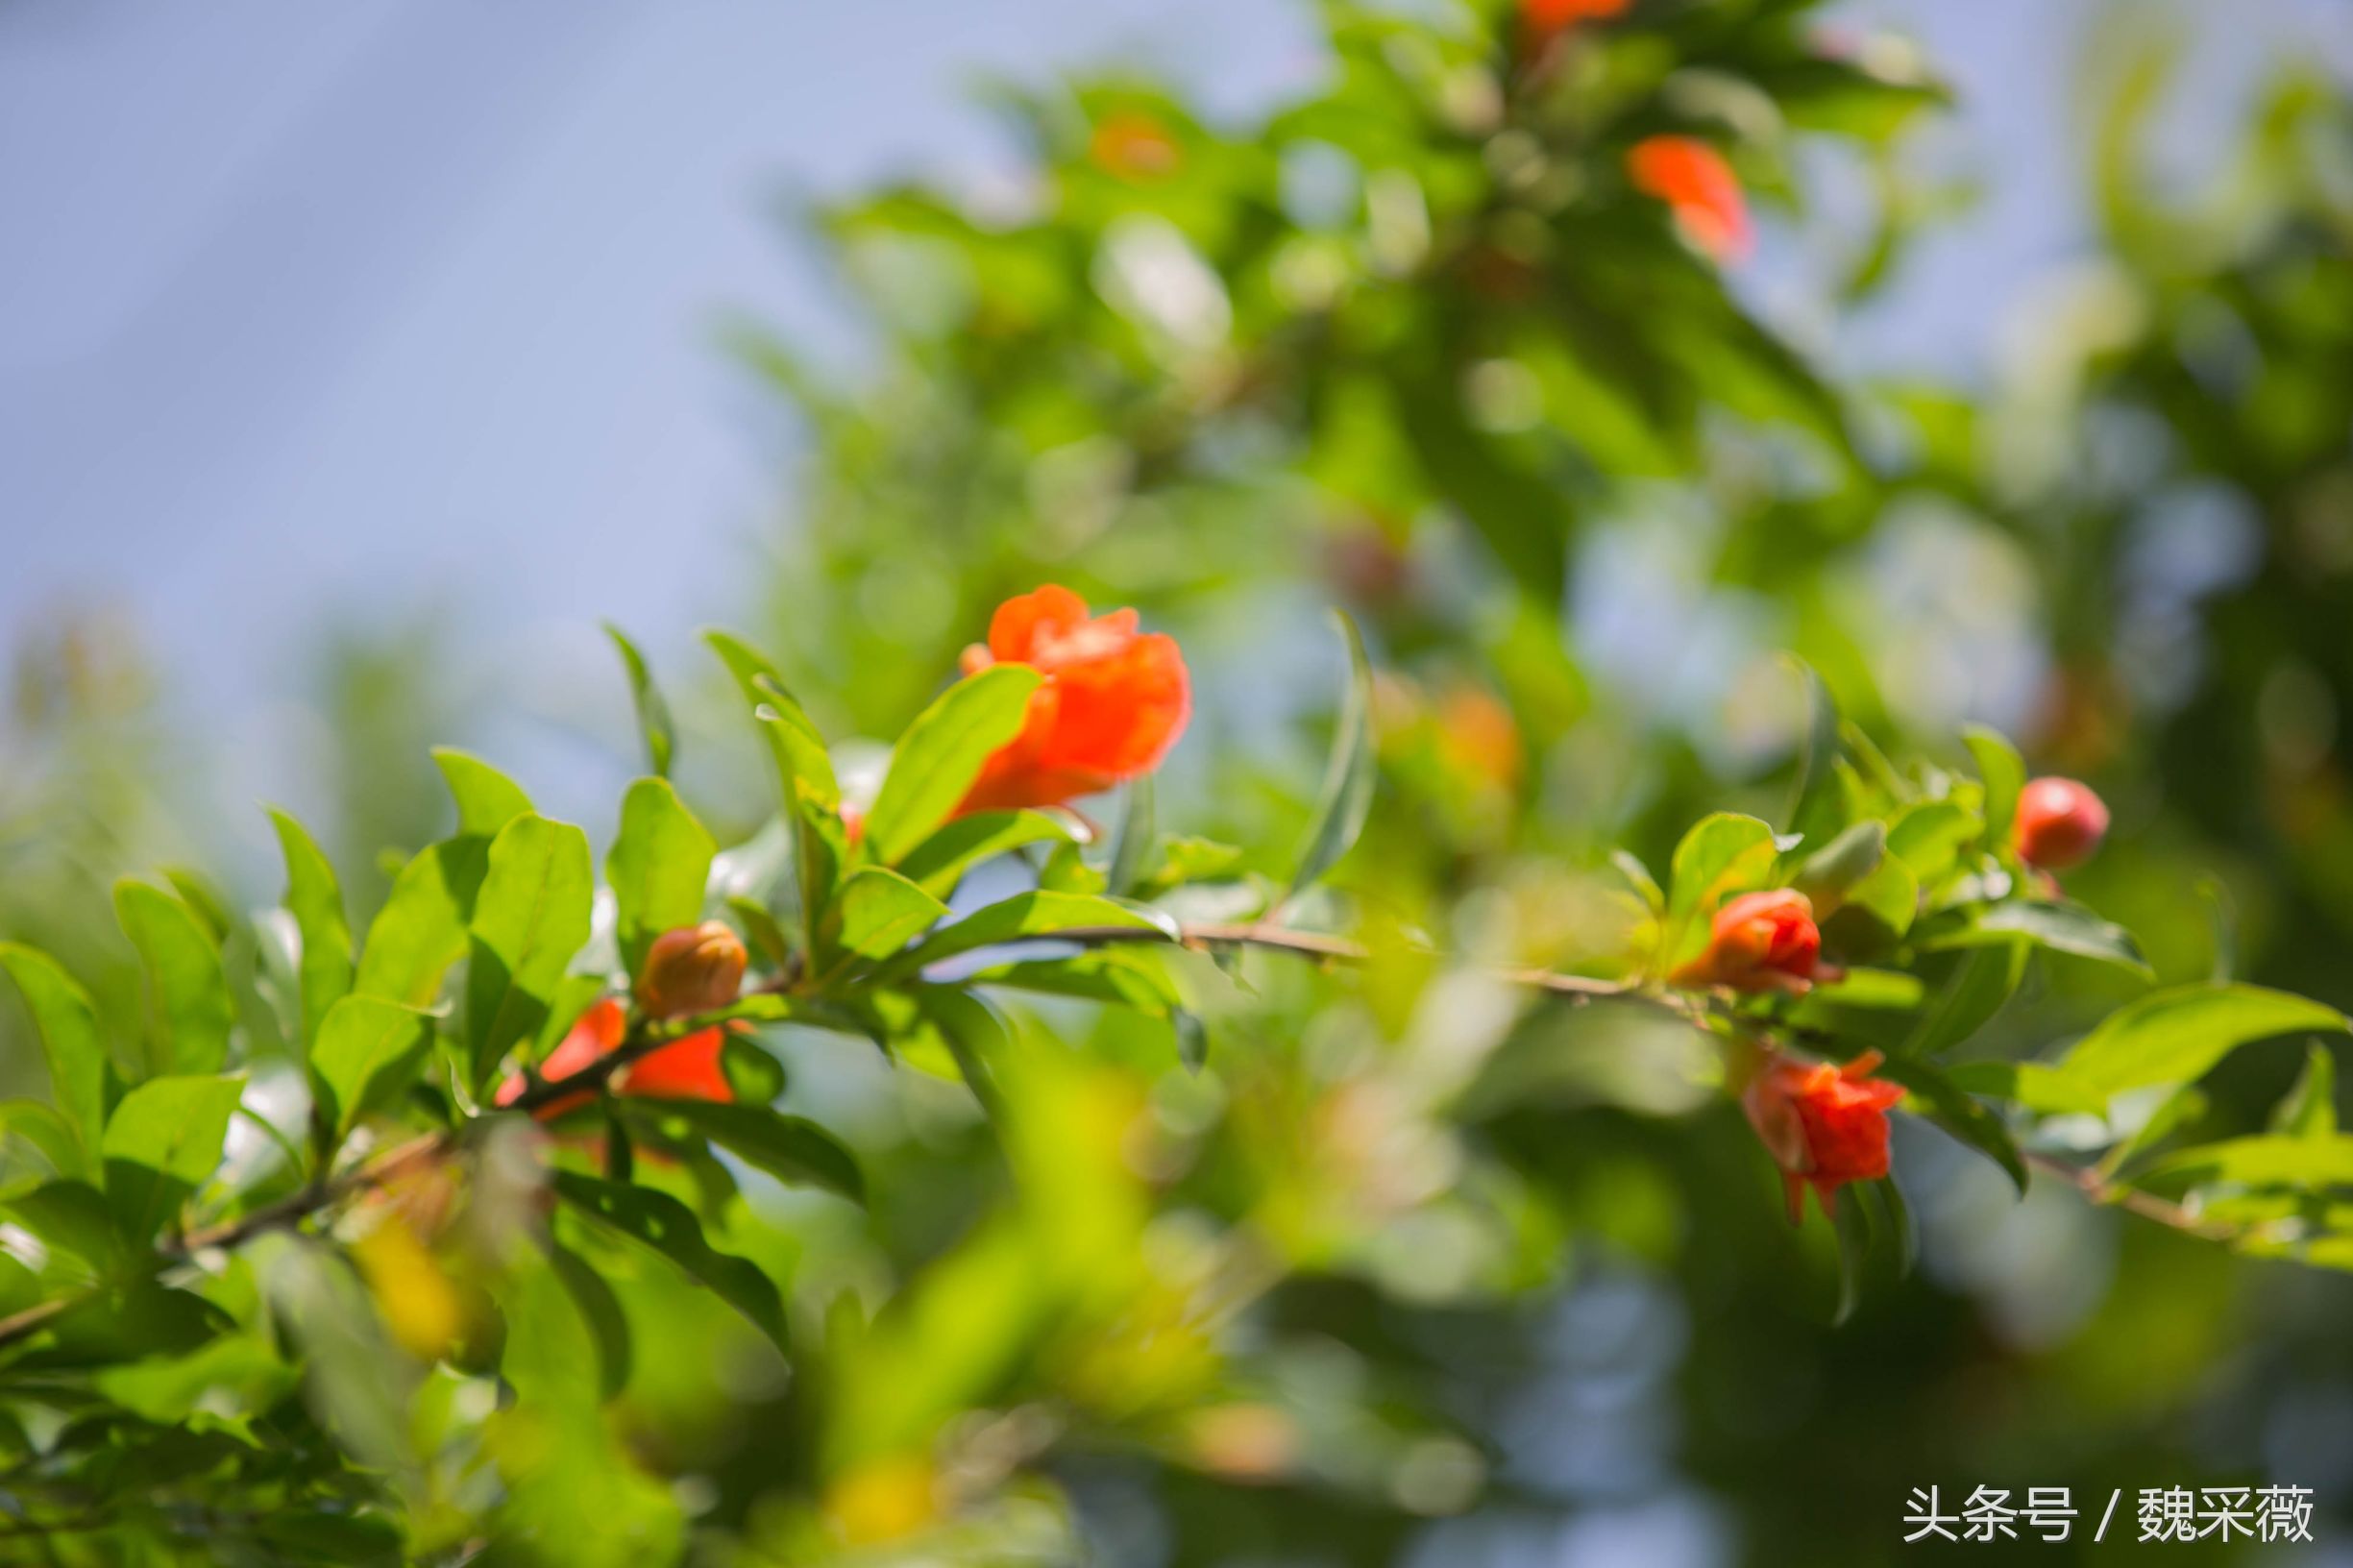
[
  {"x": 1700, "y": 189},
  {"x": 2059, "y": 823},
  {"x": 684, "y": 1069},
  {"x": 1823, "y": 1125},
  {"x": 1761, "y": 942},
  {"x": 694, "y": 968},
  {"x": 1112, "y": 702}
]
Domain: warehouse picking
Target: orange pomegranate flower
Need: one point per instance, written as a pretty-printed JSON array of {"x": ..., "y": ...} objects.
[
  {"x": 1761, "y": 942},
  {"x": 1700, "y": 189},
  {"x": 1823, "y": 1125},
  {"x": 1543, "y": 20},
  {"x": 1112, "y": 702}
]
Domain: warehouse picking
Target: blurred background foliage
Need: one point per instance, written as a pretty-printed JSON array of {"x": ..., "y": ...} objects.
[{"x": 1408, "y": 1274}]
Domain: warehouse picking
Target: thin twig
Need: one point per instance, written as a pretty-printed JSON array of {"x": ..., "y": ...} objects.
[{"x": 2147, "y": 1205}]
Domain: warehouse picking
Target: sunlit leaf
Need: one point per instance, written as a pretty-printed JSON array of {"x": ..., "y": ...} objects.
[
  {"x": 315, "y": 899},
  {"x": 162, "y": 1143},
  {"x": 936, "y": 761},
  {"x": 2176, "y": 1036},
  {"x": 658, "y": 869},
  {"x": 881, "y": 912},
  {"x": 487, "y": 800},
  {"x": 793, "y": 1149},
  {"x": 941, "y": 861},
  {"x": 531, "y": 916},
  {"x": 653, "y": 720},
  {"x": 367, "y": 1052},
  {"x": 68, "y": 1026},
  {"x": 190, "y": 991}
]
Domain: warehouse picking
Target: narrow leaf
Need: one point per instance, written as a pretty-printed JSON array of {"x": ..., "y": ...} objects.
[
  {"x": 1969, "y": 1119},
  {"x": 1022, "y": 916},
  {"x": 789, "y": 1148},
  {"x": 487, "y": 800},
  {"x": 2176, "y": 1036},
  {"x": 1347, "y": 795},
  {"x": 367, "y": 1053},
  {"x": 531, "y": 916},
  {"x": 653, "y": 720},
  {"x": 608, "y": 1326},
  {"x": 941, "y": 754},
  {"x": 670, "y": 1228},
  {"x": 659, "y": 866},
  {"x": 162, "y": 1144},
  {"x": 315, "y": 900},
  {"x": 940, "y": 862},
  {"x": 194, "y": 1012},
  {"x": 2003, "y": 772},
  {"x": 68, "y": 1026}
]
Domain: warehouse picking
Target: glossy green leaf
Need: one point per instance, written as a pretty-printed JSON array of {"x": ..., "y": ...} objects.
[
  {"x": 1983, "y": 980},
  {"x": 315, "y": 899},
  {"x": 1349, "y": 774},
  {"x": 1132, "y": 850},
  {"x": 2060, "y": 928},
  {"x": 2309, "y": 1109},
  {"x": 936, "y": 761},
  {"x": 367, "y": 1053},
  {"x": 193, "y": 1013},
  {"x": 162, "y": 1143},
  {"x": 487, "y": 800},
  {"x": 789, "y": 1148},
  {"x": 2178, "y": 1034},
  {"x": 1023, "y": 916},
  {"x": 1927, "y": 837},
  {"x": 531, "y": 916},
  {"x": 1826, "y": 875},
  {"x": 658, "y": 869},
  {"x": 881, "y": 912},
  {"x": 1814, "y": 811},
  {"x": 941, "y": 861},
  {"x": 68, "y": 1027},
  {"x": 2003, "y": 771},
  {"x": 2268, "y": 1160},
  {"x": 653, "y": 720},
  {"x": 1938, "y": 1098},
  {"x": 421, "y": 930},
  {"x": 670, "y": 1228},
  {"x": 608, "y": 1326}
]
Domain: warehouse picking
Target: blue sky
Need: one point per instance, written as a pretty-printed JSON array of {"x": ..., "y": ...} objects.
[{"x": 317, "y": 315}]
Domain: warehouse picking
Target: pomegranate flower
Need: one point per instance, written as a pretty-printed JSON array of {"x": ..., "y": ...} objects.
[
  {"x": 1823, "y": 1125},
  {"x": 1543, "y": 20},
  {"x": 1699, "y": 187},
  {"x": 694, "y": 968},
  {"x": 1761, "y": 942},
  {"x": 1112, "y": 702}
]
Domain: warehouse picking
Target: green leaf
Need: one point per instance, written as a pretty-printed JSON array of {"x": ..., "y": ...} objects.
[
  {"x": 653, "y": 720},
  {"x": 745, "y": 663},
  {"x": 1023, "y": 916},
  {"x": 1952, "y": 1108},
  {"x": 1123, "y": 976},
  {"x": 1814, "y": 811},
  {"x": 487, "y": 800},
  {"x": 315, "y": 900},
  {"x": 531, "y": 916},
  {"x": 73, "y": 1217},
  {"x": 1721, "y": 855},
  {"x": 812, "y": 803},
  {"x": 367, "y": 1053},
  {"x": 881, "y": 912},
  {"x": 789, "y": 1148},
  {"x": 974, "y": 1033},
  {"x": 2268, "y": 1160},
  {"x": 2178, "y": 1034},
  {"x": 183, "y": 968},
  {"x": 1347, "y": 795},
  {"x": 68, "y": 1025},
  {"x": 1983, "y": 980},
  {"x": 2003, "y": 772},
  {"x": 421, "y": 930},
  {"x": 658, "y": 869},
  {"x": 2309, "y": 1110},
  {"x": 54, "y": 1139},
  {"x": 938, "y": 863},
  {"x": 936, "y": 761},
  {"x": 2061, "y": 927},
  {"x": 1134, "y": 846},
  {"x": 1889, "y": 893},
  {"x": 670, "y": 1228},
  {"x": 1826, "y": 875},
  {"x": 1928, "y": 837},
  {"x": 601, "y": 1309},
  {"x": 162, "y": 1141},
  {"x": 2030, "y": 1085},
  {"x": 767, "y": 938}
]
